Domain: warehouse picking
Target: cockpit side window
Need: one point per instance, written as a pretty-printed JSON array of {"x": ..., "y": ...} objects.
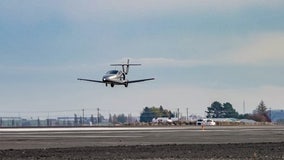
[{"x": 112, "y": 72}]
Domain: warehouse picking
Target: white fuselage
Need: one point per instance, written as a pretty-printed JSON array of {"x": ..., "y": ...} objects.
[{"x": 114, "y": 77}]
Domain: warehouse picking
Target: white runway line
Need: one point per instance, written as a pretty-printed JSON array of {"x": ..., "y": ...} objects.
[
  {"x": 74, "y": 136},
  {"x": 138, "y": 129},
  {"x": 86, "y": 129}
]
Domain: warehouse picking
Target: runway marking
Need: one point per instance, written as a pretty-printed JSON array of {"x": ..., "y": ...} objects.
[
  {"x": 83, "y": 129},
  {"x": 129, "y": 130},
  {"x": 66, "y": 136}
]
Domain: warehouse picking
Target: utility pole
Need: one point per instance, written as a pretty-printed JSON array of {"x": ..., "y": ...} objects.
[
  {"x": 186, "y": 114},
  {"x": 178, "y": 113},
  {"x": 83, "y": 116},
  {"x": 48, "y": 120},
  {"x": 244, "y": 107},
  {"x": 270, "y": 114},
  {"x": 98, "y": 115}
]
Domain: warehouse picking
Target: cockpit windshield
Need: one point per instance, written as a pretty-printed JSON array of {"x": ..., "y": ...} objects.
[{"x": 112, "y": 72}]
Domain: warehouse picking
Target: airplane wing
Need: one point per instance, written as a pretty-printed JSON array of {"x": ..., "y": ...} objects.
[
  {"x": 140, "y": 80},
  {"x": 90, "y": 80}
]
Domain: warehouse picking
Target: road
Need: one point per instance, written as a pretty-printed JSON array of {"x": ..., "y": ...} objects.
[{"x": 35, "y": 138}]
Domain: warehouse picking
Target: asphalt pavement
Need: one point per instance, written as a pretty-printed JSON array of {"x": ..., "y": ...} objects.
[{"x": 38, "y": 138}]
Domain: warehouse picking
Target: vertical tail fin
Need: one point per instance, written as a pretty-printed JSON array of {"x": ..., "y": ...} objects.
[{"x": 125, "y": 66}]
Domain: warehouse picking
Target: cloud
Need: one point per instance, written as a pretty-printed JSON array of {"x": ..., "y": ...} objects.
[
  {"x": 165, "y": 62},
  {"x": 100, "y": 9},
  {"x": 170, "y": 62},
  {"x": 263, "y": 49},
  {"x": 149, "y": 7},
  {"x": 64, "y": 68}
]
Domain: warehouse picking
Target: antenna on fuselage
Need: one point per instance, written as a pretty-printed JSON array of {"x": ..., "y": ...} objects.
[{"x": 125, "y": 66}]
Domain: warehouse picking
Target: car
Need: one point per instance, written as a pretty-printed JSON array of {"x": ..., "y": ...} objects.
[
  {"x": 200, "y": 122},
  {"x": 210, "y": 122},
  {"x": 207, "y": 122}
]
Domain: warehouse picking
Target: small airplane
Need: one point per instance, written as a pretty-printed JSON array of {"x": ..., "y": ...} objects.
[{"x": 116, "y": 77}]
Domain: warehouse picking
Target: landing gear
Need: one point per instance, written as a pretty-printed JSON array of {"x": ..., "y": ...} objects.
[
  {"x": 123, "y": 76},
  {"x": 126, "y": 84},
  {"x": 112, "y": 85}
]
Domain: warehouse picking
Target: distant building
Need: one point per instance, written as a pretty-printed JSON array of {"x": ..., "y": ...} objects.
[
  {"x": 10, "y": 121},
  {"x": 276, "y": 115}
]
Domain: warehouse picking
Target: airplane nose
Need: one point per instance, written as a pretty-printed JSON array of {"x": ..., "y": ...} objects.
[{"x": 105, "y": 79}]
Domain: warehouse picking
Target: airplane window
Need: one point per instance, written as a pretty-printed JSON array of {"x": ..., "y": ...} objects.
[{"x": 112, "y": 72}]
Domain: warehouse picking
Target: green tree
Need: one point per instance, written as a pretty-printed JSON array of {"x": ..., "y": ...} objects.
[
  {"x": 260, "y": 113},
  {"x": 217, "y": 110},
  {"x": 229, "y": 111},
  {"x": 100, "y": 118},
  {"x": 244, "y": 116},
  {"x": 110, "y": 118},
  {"x": 261, "y": 108},
  {"x": 114, "y": 118},
  {"x": 147, "y": 115},
  {"x": 121, "y": 118}
]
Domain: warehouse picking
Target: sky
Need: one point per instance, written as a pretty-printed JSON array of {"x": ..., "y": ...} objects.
[{"x": 199, "y": 51}]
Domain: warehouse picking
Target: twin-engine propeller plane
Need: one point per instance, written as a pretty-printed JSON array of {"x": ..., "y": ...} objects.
[{"x": 116, "y": 77}]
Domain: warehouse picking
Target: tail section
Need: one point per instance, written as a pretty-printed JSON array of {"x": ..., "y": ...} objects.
[{"x": 125, "y": 66}]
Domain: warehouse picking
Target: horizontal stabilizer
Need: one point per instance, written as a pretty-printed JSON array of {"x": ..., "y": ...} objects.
[{"x": 124, "y": 64}]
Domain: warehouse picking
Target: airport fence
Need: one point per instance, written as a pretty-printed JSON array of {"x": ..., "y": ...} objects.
[{"x": 89, "y": 121}]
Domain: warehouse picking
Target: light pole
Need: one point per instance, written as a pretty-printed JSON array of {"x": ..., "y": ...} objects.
[
  {"x": 98, "y": 115},
  {"x": 83, "y": 117},
  {"x": 186, "y": 114},
  {"x": 270, "y": 114}
]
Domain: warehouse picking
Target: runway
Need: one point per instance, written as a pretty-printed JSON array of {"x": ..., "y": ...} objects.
[{"x": 33, "y": 138}]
